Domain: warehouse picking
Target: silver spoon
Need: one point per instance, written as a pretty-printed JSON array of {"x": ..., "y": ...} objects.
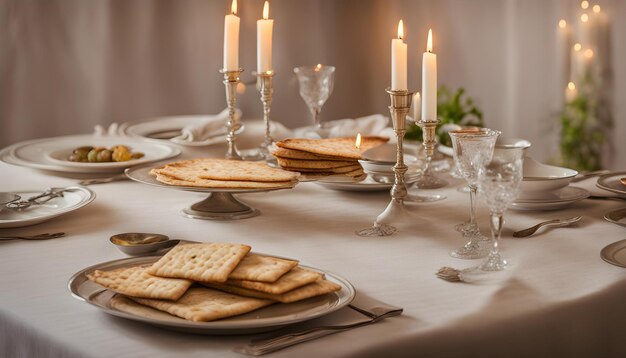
[
  {"x": 556, "y": 222},
  {"x": 45, "y": 236},
  {"x": 137, "y": 243}
]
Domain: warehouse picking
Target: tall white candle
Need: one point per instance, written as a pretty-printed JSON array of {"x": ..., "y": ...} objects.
[
  {"x": 398, "y": 61},
  {"x": 417, "y": 107},
  {"x": 231, "y": 39},
  {"x": 264, "y": 41},
  {"x": 429, "y": 81}
]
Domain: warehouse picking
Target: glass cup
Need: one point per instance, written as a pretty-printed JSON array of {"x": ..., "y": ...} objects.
[
  {"x": 472, "y": 149},
  {"x": 316, "y": 85},
  {"x": 499, "y": 182}
]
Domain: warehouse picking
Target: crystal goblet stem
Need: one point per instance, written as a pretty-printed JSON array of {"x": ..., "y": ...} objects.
[{"x": 494, "y": 261}]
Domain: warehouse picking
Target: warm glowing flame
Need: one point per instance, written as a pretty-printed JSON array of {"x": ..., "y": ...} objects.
[
  {"x": 577, "y": 47},
  {"x": 562, "y": 23},
  {"x": 584, "y": 17},
  {"x": 584, "y": 5},
  {"x": 596, "y": 8},
  {"x": 571, "y": 86},
  {"x": 400, "y": 30},
  {"x": 429, "y": 43},
  {"x": 589, "y": 53},
  {"x": 318, "y": 67},
  {"x": 233, "y": 7},
  {"x": 357, "y": 142},
  {"x": 266, "y": 10}
]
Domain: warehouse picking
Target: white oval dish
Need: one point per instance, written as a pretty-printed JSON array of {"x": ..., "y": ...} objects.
[{"x": 541, "y": 178}]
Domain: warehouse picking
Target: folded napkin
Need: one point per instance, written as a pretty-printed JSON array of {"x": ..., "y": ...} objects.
[
  {"x": 375, "y": 124},
  {"x": 204, "y": 128}
]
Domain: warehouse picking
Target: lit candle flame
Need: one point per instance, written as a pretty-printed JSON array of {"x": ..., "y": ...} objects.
[
  {"x": 429, "y": 43},
  {"x": 584, "y": 5},
  {"x": 571, "y": 86},
  {"x": 357, "y": 142},
  {"x": 318, "y": 67},
  {"x": 562, "y": 23},
  {"x": 233, "y": 7},
  {"x": 400, "y": 30},
  {"x": 266, "y": 11},
  {"x": 596, "y": 9},
  {"x": 589, "y": 53},
  {"x": 584, "y": 17},
  {"x": 577, "y": 47}
]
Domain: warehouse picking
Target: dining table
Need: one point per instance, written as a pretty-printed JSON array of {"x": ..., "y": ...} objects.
[{"x": 557, "y": 298}]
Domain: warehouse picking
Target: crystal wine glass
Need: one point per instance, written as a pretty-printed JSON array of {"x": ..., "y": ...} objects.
[
  {"x": 499, "y": 181},
  {"x": 472, "y": 149},
  {"x": 316, "y": 85}
]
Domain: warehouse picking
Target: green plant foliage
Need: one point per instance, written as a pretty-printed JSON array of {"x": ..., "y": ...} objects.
[
  {"x": 452, "y": 108},
  {"x": 582, "y": 138}
]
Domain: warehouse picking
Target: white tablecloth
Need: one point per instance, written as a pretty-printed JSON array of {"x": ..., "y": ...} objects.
[{"x": 559, "y": 299}]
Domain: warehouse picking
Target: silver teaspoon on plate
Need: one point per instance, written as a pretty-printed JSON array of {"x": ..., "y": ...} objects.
[{"x": 556, "y": 222}]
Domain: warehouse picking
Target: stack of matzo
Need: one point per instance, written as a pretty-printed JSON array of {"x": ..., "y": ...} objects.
[
  {"x": 232, "y": 282},
  {"x": 319, "y": 157},
  {"x": 223, "y": 173}
]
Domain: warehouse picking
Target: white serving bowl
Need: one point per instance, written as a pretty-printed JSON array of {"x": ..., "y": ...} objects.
[
  {"x": 504, "y": 143},
  {"x": 374, "y": 167},
  {"x": 542, "y": 178}
]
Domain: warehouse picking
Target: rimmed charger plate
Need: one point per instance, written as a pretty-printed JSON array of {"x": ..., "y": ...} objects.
[
  {"x": 50, "y": 153},
  {"x": 70, "y": 201},
  {"x": 617, "y": 217},
  {"x": 264, "y": 319},
  {"x": 611, "y": 182},
  {"x": 615, "y": 253},
  {"x": 553, "y": 200}
]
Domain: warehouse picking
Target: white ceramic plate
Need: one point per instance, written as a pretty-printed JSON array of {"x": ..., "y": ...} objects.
[
  {"x": 71, "y": 200},
  {"x": 166, "y": 128},
  {"x": 611, "y": 182},
  {"x": 367, "y": 184},
  {"x": 264, "y": 319},
  {"x": 615, "y": 253},
  {"x": 49, "y": 153},
  {"x": 554, "y": 200}
]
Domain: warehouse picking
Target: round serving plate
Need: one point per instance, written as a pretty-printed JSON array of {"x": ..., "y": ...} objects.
[
  {"x": 72, "y": 200},
  {"x": 617, "y": 217},
  {"x": 611, "y": 182},
  {"x": 221, "y": 204},
  {"x": 264, "y": 319},
  {"x": 615, "y": 253},
  {"x": 367, "y": 184},
  {"x": 165, "y": 129},
  {"x": 52, "y": 153},
  {"x": 552, "y": 201}
]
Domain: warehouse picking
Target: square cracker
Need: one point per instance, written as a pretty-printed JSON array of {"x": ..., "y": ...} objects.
[
  {"x": 314, "y": 164},
  {"x": 293, "y": 279},
  {"x": 298, "y": 154},
  {"x": 314, "y": 289},
  {"x": 230, "y": 184},
  {"x": 135, "y": 281},
  {"x": 201, "y": 304},
  {"x": 339, "y": 147},
  {"x": 255, "y": 267},
  {"x": 200, "y": 262}
]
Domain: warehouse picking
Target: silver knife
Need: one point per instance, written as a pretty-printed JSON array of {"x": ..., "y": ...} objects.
[{"x": 371, "y": 309}]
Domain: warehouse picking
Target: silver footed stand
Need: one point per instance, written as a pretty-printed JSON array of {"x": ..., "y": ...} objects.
[
  {"x": 231, "y": 80},
  {"x": 265, "y": 87},
  {"x": 399, "y": 108}
]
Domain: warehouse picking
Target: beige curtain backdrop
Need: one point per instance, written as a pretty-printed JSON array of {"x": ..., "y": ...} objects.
[{"x": 67, "y": 65}]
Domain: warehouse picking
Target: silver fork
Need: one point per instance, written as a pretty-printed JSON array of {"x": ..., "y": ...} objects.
[
  {"x": 556, "y": 222},
  {"x": 45, "y": 236},
  {"x": 118, "y": 177},
  {"x": 375, "y": 312}
]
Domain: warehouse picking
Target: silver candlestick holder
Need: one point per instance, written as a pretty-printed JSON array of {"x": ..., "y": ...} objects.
[
  {"x": 399, "y": 108},
  {"x": 427, "y": 179},
  {"x": 265, "y": 87},
  {"x": 231, "y": 80}
]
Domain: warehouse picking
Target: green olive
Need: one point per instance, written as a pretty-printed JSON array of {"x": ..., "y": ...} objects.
[
  {"x": 104, "y": 156},
  {"x": 92, "y": 157}
]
